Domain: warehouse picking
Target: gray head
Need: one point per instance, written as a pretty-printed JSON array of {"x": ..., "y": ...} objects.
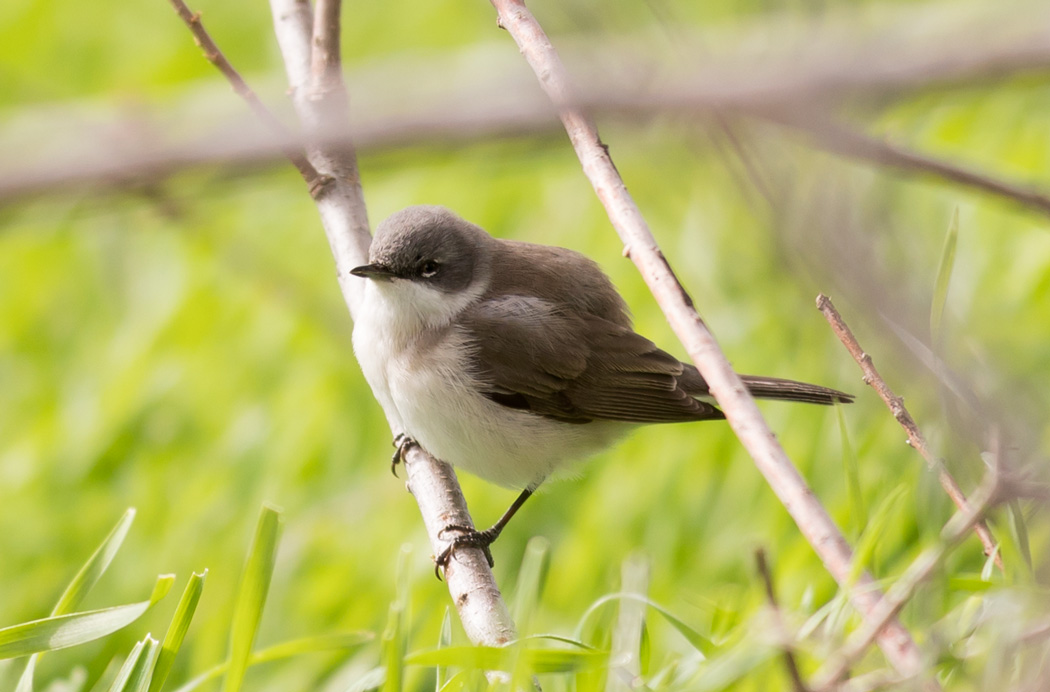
[{"x": 430, "y": 246}]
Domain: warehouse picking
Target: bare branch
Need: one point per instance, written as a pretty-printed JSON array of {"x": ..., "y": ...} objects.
[
  {"x": 326, "y": 63},
  {"x": 216, "y": 57},
  {"x": 321, "y": 101},
  {"x": 900, "y": 412},
  {"x": 471, "y": 585},
  {"x": 341, "y": 203},
  {"x": 886, "y": 610},
  {"x": 771, "y": 595},
  {"x": 733, "y": 398}
]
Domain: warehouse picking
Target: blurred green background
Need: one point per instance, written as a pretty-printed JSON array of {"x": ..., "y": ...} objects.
[{"x": 182, "y": 348}]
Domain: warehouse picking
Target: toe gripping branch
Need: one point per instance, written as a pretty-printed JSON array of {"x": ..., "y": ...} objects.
[
  {"x": 402, "y": 443},
  {"x": 470, "y": 537}
]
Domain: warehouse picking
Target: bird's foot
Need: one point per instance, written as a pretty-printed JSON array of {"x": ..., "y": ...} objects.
[
  {"x": 401, "y": 443},
  {"x": 468, "y": 538}
]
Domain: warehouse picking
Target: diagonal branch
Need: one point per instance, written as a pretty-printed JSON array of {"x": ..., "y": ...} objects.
[
  {"x": 896, "y": 405},
  {"x": 216, "y": 57},
  {"x": 837, "y": 138},
  {"x": 737, "y": 404}
]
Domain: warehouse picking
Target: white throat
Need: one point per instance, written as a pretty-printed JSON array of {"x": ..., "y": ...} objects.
[{"x": 404, "y": 310}]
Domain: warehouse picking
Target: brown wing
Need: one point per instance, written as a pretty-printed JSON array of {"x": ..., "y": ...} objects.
[{"x": 529, "y": 354}]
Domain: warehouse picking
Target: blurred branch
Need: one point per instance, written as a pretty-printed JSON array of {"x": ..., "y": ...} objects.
[
  {"x": 332, "y": 175},
  {"x": 886, "y": 610},
  {"x": 478, "y": 93},
  {"x": 216, "y": 57},
  {"x": 785, "y": 642},
  {"x": 900, "y": 412},
  {"x": 840, "y": 139},
  {"x": 733, "y": 398}
]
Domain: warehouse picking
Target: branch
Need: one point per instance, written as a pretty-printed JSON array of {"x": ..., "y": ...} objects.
[
  {"x": 886, "y": 610},
  {"x": 733, "y": 398},
  {"x": 216, "y": 57},
  {"x": 778, "y": 622},
  {"x": 839, "y": 139},
  {"x": 831, "y": 64},
  {"x": 341, "y": 203},
  {"x": 896, "y": 405},
  {"x": 320, "y": 98}
]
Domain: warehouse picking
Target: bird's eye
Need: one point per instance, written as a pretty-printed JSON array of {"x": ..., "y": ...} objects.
[{"x": 428, "y": 269}]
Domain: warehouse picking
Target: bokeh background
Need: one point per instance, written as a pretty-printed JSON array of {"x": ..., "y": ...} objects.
[{"x": 177, "y": 343}]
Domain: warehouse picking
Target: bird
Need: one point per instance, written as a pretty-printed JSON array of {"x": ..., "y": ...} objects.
[{"x": 514, "y": 361}]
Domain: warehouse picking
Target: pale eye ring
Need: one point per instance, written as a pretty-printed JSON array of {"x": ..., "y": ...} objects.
[{"x": 428, "y": 269}]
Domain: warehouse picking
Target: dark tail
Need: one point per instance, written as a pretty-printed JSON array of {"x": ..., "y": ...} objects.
[
  {"x": 768, "y": 388},
  {"x": 790, "y": 390}
]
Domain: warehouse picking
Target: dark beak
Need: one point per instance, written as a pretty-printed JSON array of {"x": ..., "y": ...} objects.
[{"x": 374, "y": 271}]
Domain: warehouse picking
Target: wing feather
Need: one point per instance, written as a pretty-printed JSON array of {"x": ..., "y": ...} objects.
[{"x": 532, "y": 354}]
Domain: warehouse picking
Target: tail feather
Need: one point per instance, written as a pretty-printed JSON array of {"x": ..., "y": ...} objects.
[
  {"x": 768, "y": 388},
  {"x": 790, "y": 390}
]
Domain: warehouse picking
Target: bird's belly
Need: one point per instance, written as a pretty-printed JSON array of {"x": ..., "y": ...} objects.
[{"x": 442, "y": 410}]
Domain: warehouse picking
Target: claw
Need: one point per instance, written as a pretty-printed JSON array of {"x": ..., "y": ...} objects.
[
  {"x": 402, "y": 442},
  {"x": 467, "y": 538}
]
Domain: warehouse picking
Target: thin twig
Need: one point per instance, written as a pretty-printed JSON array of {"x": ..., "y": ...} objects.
[
  {"x": 216, "y": 57},
  {"x": 733, "y": 398},
  {"x": 840, "y": 139},
  {"x": 960, "y": 524},
  {"x": 321, "y": 101},
  {"x": 786, "y": 645},
  {"x": 900, "y": 412}
]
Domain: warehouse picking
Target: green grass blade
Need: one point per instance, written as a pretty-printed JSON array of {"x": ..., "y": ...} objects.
[
  {"x": 25, "y": 681},
  {"x": 138, "y": 677},
  {"x": 858, "y": 512},
  {"x": 71, "y": 629},
  {"x": 530, "y": 582},
  {"x": 875, "y": 530},
  {"x": 506, "y": 658},
  {"x": 394, "y": 648},
  {"x": 444, "y": 641},
  {"x": 394, "y": 644},
  {"x": 697, "y": 640},
  {"x": 180, "y": 622},
  {"x": 295, "y": 647},
  {"x": 1020, "y": 528},
  {"x": 370, "y": 680},
  {"x": 251, "y": 596},
  {"x": 559, "y": 638},
  {"x": 944, "y": 275},
  {"x": 309, "y": 645},
  {"x": 95, "y": 567},
  {"x": 120, "y": 682},
  {"x": 82, "y": 583}
]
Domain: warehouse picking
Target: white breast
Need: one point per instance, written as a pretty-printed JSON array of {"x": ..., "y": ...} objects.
[{"x": 422, "y": 379}]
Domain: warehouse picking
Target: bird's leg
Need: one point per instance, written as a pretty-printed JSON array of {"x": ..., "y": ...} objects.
[
  {"x": 472, "y": 538},
  {"x": 401, "y": 443}
]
